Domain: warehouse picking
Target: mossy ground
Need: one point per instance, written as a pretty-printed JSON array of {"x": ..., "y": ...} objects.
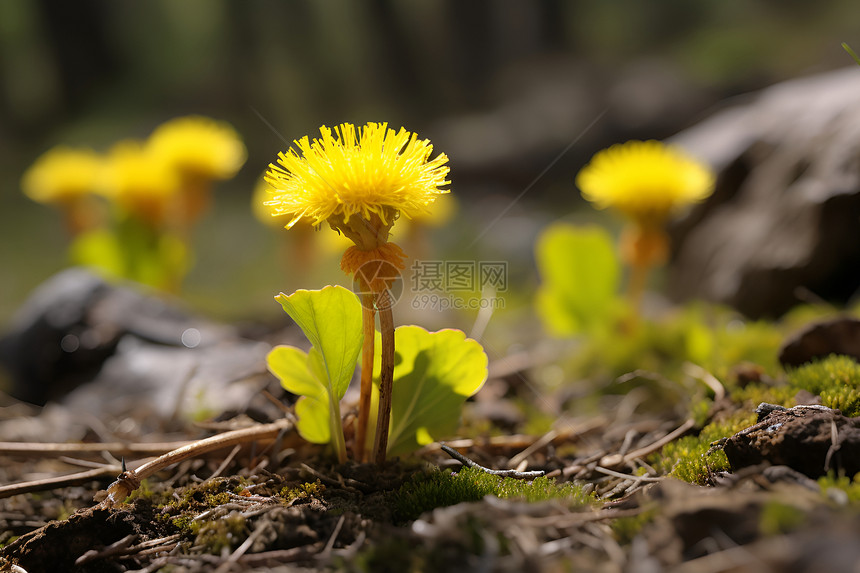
[
  {"x": 428, "y": 490},
  {"x": 412, "y": 515},
  {"x": 834, "y": 381}
]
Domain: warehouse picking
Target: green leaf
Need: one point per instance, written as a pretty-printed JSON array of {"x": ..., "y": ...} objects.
[
  {"x": 580, "y": 273},
  {"x": 434, "y": 373},
  {"x": 331, "y": 319},
  {"x": 848, "y": 49},
  {"x": 292, "y": 367},
  {"x": 98, "y": 249}
]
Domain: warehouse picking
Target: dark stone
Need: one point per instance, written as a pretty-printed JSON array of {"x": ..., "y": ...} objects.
[
  {"x": 72, "y": 324},
  {"x": 33, "y": 349},
  {"x": 821, "y": 339},
  {"x": 810, "y": 439},
  {"x": 778, "y": 229},
  {"x": 109, "y": 349}
]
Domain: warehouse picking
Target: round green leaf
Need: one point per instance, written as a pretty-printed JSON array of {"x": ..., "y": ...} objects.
[
  {"x": 290, "y": 365},
  {"x": 580, "y": 276},
  {"x": 434, "y": 373},
  {"x": 313, "y": 419}
]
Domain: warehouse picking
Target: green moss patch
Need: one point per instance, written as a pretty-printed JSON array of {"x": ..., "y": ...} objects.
[
  {"x": 692, "y": 458},
  {"x": 436, "y": 488},
  {"x": 835, "y": 378}
]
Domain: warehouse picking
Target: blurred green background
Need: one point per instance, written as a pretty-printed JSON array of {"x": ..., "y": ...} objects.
[{"x": 506, "y": 88}]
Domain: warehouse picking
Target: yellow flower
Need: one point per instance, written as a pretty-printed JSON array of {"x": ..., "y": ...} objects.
[
  {"x": 444, "y": 209},
  {"x": 141, "y": 183},
  {"x": 328, "y": 243},
  {"x": 62, "y": 174},
  {"x": 258, "y": 204},
  {"x": 369, "y": 171},
  {"x": 199, "y": 147},
  {"x": 359, "y": 181},
  {"x": 645, "y": 180}
]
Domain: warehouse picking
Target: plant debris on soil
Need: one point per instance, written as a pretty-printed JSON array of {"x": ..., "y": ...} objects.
[
  {"x": 599, "y": 509},
  {"x": 753, "y": 473}
]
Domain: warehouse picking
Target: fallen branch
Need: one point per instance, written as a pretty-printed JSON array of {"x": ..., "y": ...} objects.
[
  {"x": 617, "y": 460},
  {"x": 711, "y": 381},
  {"x": 129, "y": 480},
  {"x": 118, "y": 548},
  {"x": 118, "y": 449},
  {"x": 56, "y": 482},
  {"x": 613, "y": 473},
  {"x": 502, "y": 473},
  {"x": 565, "y": 433}
]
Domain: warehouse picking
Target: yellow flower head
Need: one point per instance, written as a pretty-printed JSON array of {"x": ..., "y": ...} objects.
[
  {"x": 645, "y": 180},
  {"x": 199, "y": 146},
  {"x": 329, "y": 243},
  {"x": 62, "y": 174},
  {"x": 258, "y": 204},
  {"x": 140, "y": 182},
  {"x": 443, "y": 211},
  {"x": 356, "y": 171}
]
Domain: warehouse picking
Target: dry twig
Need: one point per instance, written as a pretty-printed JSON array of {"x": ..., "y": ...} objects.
[
  {"x": 129, "y": 480},
  {"x": 41, "y": 450},
  {"x": 617, "y": 460},
  {"x": 696, "y": 371},
  {"x": 55, "y": 482},
  {"x": 503, "y": 473}
]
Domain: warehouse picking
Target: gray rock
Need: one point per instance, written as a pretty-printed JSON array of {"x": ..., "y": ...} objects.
[
  {"x": 820, "y": 339},
  {"x": 782, "y": 224},
  {"x": 51, "y": 344},
  {"x": 95, "y": 349}
]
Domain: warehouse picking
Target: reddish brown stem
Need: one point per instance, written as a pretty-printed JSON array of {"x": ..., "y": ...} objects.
[
  {"x": 386, "y": 377},
  {"x": 368, "y": 321},
  {"x": 636, "y": 286}
]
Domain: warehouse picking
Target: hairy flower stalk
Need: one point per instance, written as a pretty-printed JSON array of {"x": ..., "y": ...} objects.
[
  {"x": 647, "y": 182},
  {"x": 368, "y": 321},
  {"x": 386, "y": 376},
  {"x": 360, "y": 180}
]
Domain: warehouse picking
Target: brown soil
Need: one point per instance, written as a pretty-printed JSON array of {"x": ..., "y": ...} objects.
[{"x": 270, "y": 509}]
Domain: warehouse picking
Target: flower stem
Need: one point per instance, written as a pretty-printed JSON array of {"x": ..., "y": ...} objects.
[
  {"x": 386, "y": 377},
  {"x": 368, "y": 321},
  {"x": 643, "y": 246},
  {"x": 636, "y": 286}
]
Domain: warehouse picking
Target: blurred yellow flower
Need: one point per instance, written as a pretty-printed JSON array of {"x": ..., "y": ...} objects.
[
  {"x": 62, "y": 174},
  {"x": 199, "y": 147},
  {"x": 141, "y": 183},
  {"x": 444, "y": 209},
  {"x": 258, "y": 205},
  {"x": 369, "y": 171},
  {"x": 645, "y": 180},
  {"x": 305, "y": 244}
]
